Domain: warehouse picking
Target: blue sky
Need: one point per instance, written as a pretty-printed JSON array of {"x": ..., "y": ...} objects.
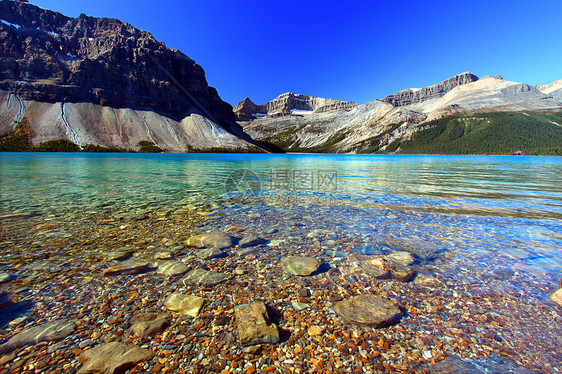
[{"x": 358, "y": 51}]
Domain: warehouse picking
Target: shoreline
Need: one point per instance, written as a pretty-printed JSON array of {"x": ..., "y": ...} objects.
[{"x": 61, "y": 276}]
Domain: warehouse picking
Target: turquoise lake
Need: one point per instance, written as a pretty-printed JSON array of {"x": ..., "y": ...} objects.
[{"x": 478, "y": 210}]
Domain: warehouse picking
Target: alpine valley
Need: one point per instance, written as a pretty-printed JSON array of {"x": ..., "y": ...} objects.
[{"x": 100, "y": 84}]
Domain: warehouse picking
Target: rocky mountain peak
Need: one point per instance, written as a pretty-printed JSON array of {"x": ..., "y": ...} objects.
[
  {"x": 410, "y": 96},
  {"x": 289, "y": 103},
  {"x": 47, "y": 56}
]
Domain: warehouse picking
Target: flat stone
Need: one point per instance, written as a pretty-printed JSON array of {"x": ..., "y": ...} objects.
[
  {"x": 187, "y": 305},
  {"x": 318, "y": 233},
  {"x": 401, "y": 257},
  {"x": 275, "y": 242},
  {"x": 119, "y": 254},
  {"x": 5, "y": 277},
  {"x": 112, "y": 358},
  {"x": 426, "y": 280},
  {"x": 493, "y": 363},
  {"x": 254, "y": 326},
  {"x": 200, "y": 277},
  {"x": 164, "y": 255},
  {"x": 172, "y": 268},
  {"x": 218, "y": 240},
  {"x": 299, "y": 306},
  {"x": 250, "y": 241},
  {"x": 51, "y": 331},
  {"x": 127, "y": 268},
  {"x": 335, "y": 253},
  {"x": 300, "y": 265},
  {"x": 149, "y": 324},
  {"x": 369, "y": 310},
  {"x": 315, "y": 331},
  {"x": 209, "y": 253},
  {"x": 557, "y": 297},
  {"x": 244, "y": 251}
]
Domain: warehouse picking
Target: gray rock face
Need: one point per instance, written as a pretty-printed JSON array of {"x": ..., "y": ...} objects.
[
  {"x": 217, "y": 240},
  {"x": 111, "y": 358},
  {"x": 127, "y": 268},
  {"x": 172, "y": 268},
  {"x": 108, "y": 65},
  {"x": 51, "y": 331},
  {"x": 253, "y": 324},
  {"x": 369, "y": 310},
  {"x": 491, "y": 364},
  {"x": 200, "y": 277},
  {"x": 409, "y": 96},
  {"x": 300, "y": 265},
  {"x": 149, "y": 324},
  {"x": 286, "y": 103},
  {"x": 188, "y": 305}
]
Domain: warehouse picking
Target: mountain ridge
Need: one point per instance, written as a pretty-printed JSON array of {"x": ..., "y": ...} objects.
[
  {"x": 401, "y": 117},
  {"x": 48, "y": 58},
  {"x": 284, "y": 104}
]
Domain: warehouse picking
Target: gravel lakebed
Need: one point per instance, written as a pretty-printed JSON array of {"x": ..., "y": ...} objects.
[{"x": 133, "y": 291}]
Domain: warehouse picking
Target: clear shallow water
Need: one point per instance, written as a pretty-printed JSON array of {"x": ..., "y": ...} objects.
[{"x": 503, "y": 210}]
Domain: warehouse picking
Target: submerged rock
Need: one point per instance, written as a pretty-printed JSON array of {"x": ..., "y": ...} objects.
[
  {"x": 491, "y": 364},
  {"x": 5, "y": 277},
  {"x": 200, "y": 277},
  {"x": 209, "y": 253},
  {"x": 164, "y": 255},
  {"x": 299, "y": 306},
  {"x": 128, "y": 268},
  {"x": 149, "y": 324},
  {"x": 401, "y": 257},
  {"x": 217, "y": 240},
  {"x": 557, "y": 297},
  {"x": 187, "y": 305},
  {"x": 112, "y": 358},
  {"x": 119, "y": 254},
  {"x": 172, "y": 268},
  {"x": 368, "y": 309},
  {"x": 300, "y": 265},
  {"x": 250, "y": 241},
  {"x": 253, "y": 324},
  {"x": 426, "y": 280},
  {"x": 51, "y": 331}
]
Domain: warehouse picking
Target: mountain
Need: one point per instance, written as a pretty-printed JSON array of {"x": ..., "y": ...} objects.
[
  {"x": 388, "y": 125},
  {"x": 101, "y": 81},
  {"x": 417, "y": 95},
  {"x": 289, "y": 104},
  {"x": 553, "y": 89}
]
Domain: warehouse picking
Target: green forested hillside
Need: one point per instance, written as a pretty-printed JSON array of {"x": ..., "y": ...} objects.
[{"x": 489, "y": 133}]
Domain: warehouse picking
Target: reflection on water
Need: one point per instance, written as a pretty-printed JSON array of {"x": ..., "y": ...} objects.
[{"x": 475, "y": 206}]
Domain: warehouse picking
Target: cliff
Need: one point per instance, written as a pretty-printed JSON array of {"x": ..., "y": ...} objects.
[
  {"x": 48, "y": 58},
  {"x": 413, "y": 96}
]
